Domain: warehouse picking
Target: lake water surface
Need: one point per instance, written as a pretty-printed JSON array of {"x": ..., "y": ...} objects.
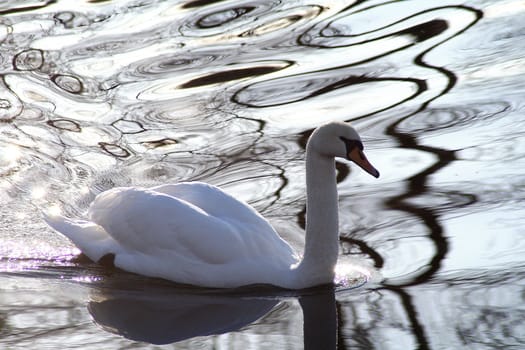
[{"x": 98, "y": 94}]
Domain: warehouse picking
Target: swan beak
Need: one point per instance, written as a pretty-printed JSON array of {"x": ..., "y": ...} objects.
[{"x": 357, "y": 156}]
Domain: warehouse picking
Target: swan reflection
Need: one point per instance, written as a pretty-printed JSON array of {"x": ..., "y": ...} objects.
[{"x": 167, "y": 314}]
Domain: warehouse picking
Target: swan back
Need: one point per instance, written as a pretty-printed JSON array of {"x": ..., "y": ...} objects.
[{"x": 215, "y": 202}]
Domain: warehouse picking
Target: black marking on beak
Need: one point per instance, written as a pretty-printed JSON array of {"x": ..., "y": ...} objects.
[{"x": 352, "y": 144}]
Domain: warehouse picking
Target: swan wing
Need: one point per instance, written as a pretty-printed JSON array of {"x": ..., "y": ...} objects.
[
  {"x": 257, "y": 233},
  {"x": 215, "y": 202},
  {"x": 149, "y": 222}
]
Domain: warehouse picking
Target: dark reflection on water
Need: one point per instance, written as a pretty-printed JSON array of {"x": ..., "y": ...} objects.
[
  {"x": 97, "y": 94},
  {"x": 168, "y": 315},
  {"x": 164, "y": 315}
]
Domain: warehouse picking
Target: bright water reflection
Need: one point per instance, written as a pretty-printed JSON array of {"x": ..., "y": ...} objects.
[{"x": 97, "y": 94}]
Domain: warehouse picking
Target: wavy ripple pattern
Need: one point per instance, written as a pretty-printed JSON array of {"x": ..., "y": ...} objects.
[{"x": 98, "y": 94}]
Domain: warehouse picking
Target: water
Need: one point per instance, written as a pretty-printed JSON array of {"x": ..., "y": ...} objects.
[{"x": 97, "y": 94}]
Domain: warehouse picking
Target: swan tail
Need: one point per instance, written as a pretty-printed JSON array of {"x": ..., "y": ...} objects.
[{"x": 89, "y": 237}]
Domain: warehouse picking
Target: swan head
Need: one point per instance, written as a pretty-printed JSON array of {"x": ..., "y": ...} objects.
[{"x": 337, "y": 139}]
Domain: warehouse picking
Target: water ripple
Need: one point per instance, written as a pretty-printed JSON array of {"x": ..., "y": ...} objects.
[
  {"x": 151, "y": 67},
  {"x": 98, "y": 94},
  {"x": 69, "y": 83},
  {"x": 220, "y": 18},
  {"x": 287, "y": 18},
  {"x": 440, "y": 119},
  {"x": 298, "y": 88},
  {"x": 235, "y": 74},
  {"x": 10, "y": 104},
  {"x": 64, "y": 124},
  {"x": 35, "y": 92},
  {"x": 71, "y": 19},
  {"x": 348, "y": 29},
  {"x": 27, "y": 60}
]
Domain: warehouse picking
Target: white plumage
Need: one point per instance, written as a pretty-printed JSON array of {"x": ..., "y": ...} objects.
[{"x": 197, "y": 234}]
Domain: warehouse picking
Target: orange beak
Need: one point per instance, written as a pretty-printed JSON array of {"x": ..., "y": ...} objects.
[{"x": 358, "y": 157}]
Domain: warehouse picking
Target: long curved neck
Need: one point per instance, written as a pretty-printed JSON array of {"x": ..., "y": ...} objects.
[{"x": 322, "y": 221}]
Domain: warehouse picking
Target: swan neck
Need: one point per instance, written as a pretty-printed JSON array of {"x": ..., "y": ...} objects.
[{"x": 322, "y": 224}]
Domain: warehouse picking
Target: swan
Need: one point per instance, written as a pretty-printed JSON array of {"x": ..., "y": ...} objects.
[{"x": 197, "y": 234}]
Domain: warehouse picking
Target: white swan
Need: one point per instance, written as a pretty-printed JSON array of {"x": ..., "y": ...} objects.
[{"x": 195, "y": 233}]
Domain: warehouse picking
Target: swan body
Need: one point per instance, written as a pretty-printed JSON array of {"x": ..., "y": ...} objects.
[{"x": 195, "y": 233}]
